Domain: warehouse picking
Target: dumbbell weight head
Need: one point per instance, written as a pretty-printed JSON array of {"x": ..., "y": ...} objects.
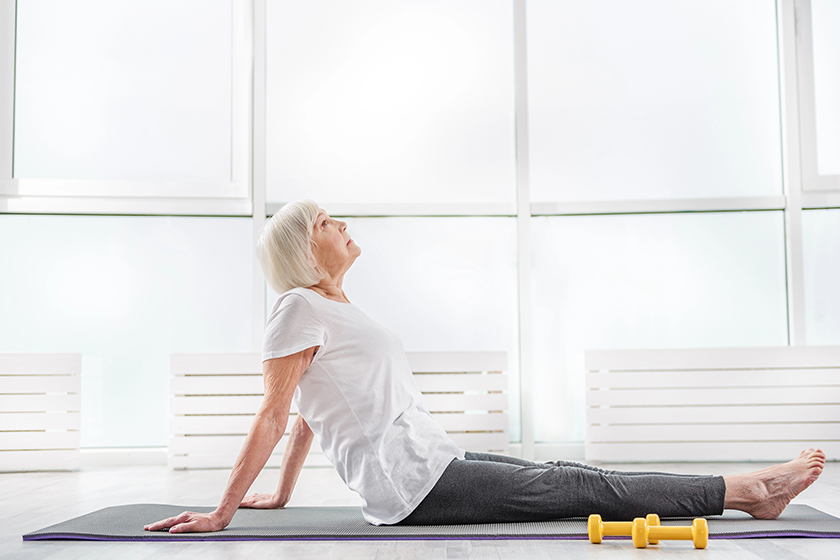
[
  {"x": 700, "y": 532},
  {"x": 595, "y": 529},
  {"x": 653, "y": 521},
  {"x": 640, "y": 533}
]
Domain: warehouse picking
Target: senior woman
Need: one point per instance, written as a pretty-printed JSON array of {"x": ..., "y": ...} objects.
[{"x": 353, "y": 387}]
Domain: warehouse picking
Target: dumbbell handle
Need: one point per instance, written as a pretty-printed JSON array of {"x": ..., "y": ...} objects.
[
  {"x": 618, "y": 528},
  {"x": 671, "y": 533}
]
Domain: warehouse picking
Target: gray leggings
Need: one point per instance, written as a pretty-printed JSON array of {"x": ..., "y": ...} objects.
[{"x": 486, "y": 488}]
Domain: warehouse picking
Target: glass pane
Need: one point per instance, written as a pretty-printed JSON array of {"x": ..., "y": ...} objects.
[
  {"x": 821, "y": 258},
  {"x": 647, "y": 281},
  {"x": 380, "y": 101},
  {"x": 825, "y": 18},
  {"x": 442, "y": 284},
  {"x": 123, "y": 90},
  {"x": 653, "y": 99},
  {"x": 125, "y": 292}
]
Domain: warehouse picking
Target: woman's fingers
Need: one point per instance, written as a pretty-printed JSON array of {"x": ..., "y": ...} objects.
[
  {"x": 185, "y": 523},
  {"x": 261, "y": 501},
  {"x": 188, "y": 527},
  {"x": 163, "y": 524}
]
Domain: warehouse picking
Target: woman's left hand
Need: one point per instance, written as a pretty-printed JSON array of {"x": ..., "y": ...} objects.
[
  {"x": 261, "y": 501},
  {"x": 190, "y": 522}
]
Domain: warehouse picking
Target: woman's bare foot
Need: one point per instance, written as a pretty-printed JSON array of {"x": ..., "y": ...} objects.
[{"x": 764, "y": 494}]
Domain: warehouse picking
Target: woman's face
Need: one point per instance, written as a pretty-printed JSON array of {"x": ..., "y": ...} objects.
[{"x": 334, "y": 250}]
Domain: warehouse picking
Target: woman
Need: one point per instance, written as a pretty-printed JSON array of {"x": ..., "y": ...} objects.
[{"x": 354, "y": 388}]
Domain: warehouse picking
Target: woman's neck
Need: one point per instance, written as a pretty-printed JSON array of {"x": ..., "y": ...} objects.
[{"x": 330, "y": 291}]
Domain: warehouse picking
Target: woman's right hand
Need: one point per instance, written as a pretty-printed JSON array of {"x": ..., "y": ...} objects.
[
  {"x": 190, "y": 522},
  {"x": 261, "y": 501}
]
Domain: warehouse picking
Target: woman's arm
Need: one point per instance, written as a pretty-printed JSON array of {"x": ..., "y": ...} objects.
[
  {"x": 280, "y": 376},
  {"x": 297, "y": 448}
]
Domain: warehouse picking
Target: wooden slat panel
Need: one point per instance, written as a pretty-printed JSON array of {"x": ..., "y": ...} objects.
[
  {"x": 16, "y": 441},
  {"x": 715, "y": 432},
  {"x": 490, "y": 422},
  {"x": 17, "y": 384},
  {"x": 40, "y": 364},
  {"x": 706, "y": 414},
  {"x": 214, "y": 405},
  {"x": 215, "y": 364},
  {"x": 719, "y": 378},
  {"x": 40, "y": 403},
  {"x": 444, "y": 403},
  {"x": 713, "y": 358},
  {"x": 458, "y": 382},
  {"x": 706, "y": 452},
  {"x": 216, "y": 385},
  {"x": 231, "y": 386},
  {"x": 439, "y": 362},
  {"x": 700, "y": 396},
  {"x": 24, "y": 461},
  {"x": 40, "y": 421},
  {"x": 493, "y": 441}
]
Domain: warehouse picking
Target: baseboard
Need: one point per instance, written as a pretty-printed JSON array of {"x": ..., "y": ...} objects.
[
  {"x": 550, "y": 451},
  {"x": 124, "y": 457},
  {"x": 559, "y": 451}
]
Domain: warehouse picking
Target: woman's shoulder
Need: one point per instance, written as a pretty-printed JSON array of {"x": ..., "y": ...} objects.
[
  {"x": 294, "y": 302},
  {"x": 304, "y": 293},
  {"x": 294, "y": 325},
  {"x": 295, "y": 296}
]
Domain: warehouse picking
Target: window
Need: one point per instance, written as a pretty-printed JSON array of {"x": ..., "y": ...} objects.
[
  {"x": 125, "y": 292},
  {"x": 390, "y": 102},
  {"x": 653, "y": 99},
  {"x": 647, "y": 281},
  {"x": 141, "y": 99}
]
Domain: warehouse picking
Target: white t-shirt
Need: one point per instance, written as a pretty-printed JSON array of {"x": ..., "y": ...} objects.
[{"x": 360, "y": 399}]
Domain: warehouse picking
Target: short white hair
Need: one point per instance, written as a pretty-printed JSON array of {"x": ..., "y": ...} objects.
[{"x": 285, "y": 247}]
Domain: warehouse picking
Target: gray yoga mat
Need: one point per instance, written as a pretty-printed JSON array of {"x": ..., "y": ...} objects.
[{"x": 125, "y": 523}]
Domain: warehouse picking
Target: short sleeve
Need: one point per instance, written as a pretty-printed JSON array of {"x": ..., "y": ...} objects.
[{"x": 293, "y": 326}]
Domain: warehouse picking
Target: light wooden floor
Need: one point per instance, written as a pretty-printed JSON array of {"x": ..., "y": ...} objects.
[{"x": 36, "y": 500}]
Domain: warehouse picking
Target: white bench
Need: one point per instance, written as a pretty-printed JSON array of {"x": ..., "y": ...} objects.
[
  {"x": 40, "y": 403},
  {"x": 716, "y": 404},
  {"x": 213, "y": 398}
]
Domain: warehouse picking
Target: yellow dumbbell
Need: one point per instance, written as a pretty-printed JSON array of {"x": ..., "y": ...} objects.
[
  {"x": 643, "y": 534},
  {"x": 598, "y": 529}
]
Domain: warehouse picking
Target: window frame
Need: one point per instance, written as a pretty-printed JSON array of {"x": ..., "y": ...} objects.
[
  {"x": 811, "y": 179},
  {"x": 164, "y": 197}
]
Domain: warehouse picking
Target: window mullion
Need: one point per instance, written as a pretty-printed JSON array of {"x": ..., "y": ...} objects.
[
  {"x": 7, "y": 87},
  {"x": 793, "y": 147}
]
